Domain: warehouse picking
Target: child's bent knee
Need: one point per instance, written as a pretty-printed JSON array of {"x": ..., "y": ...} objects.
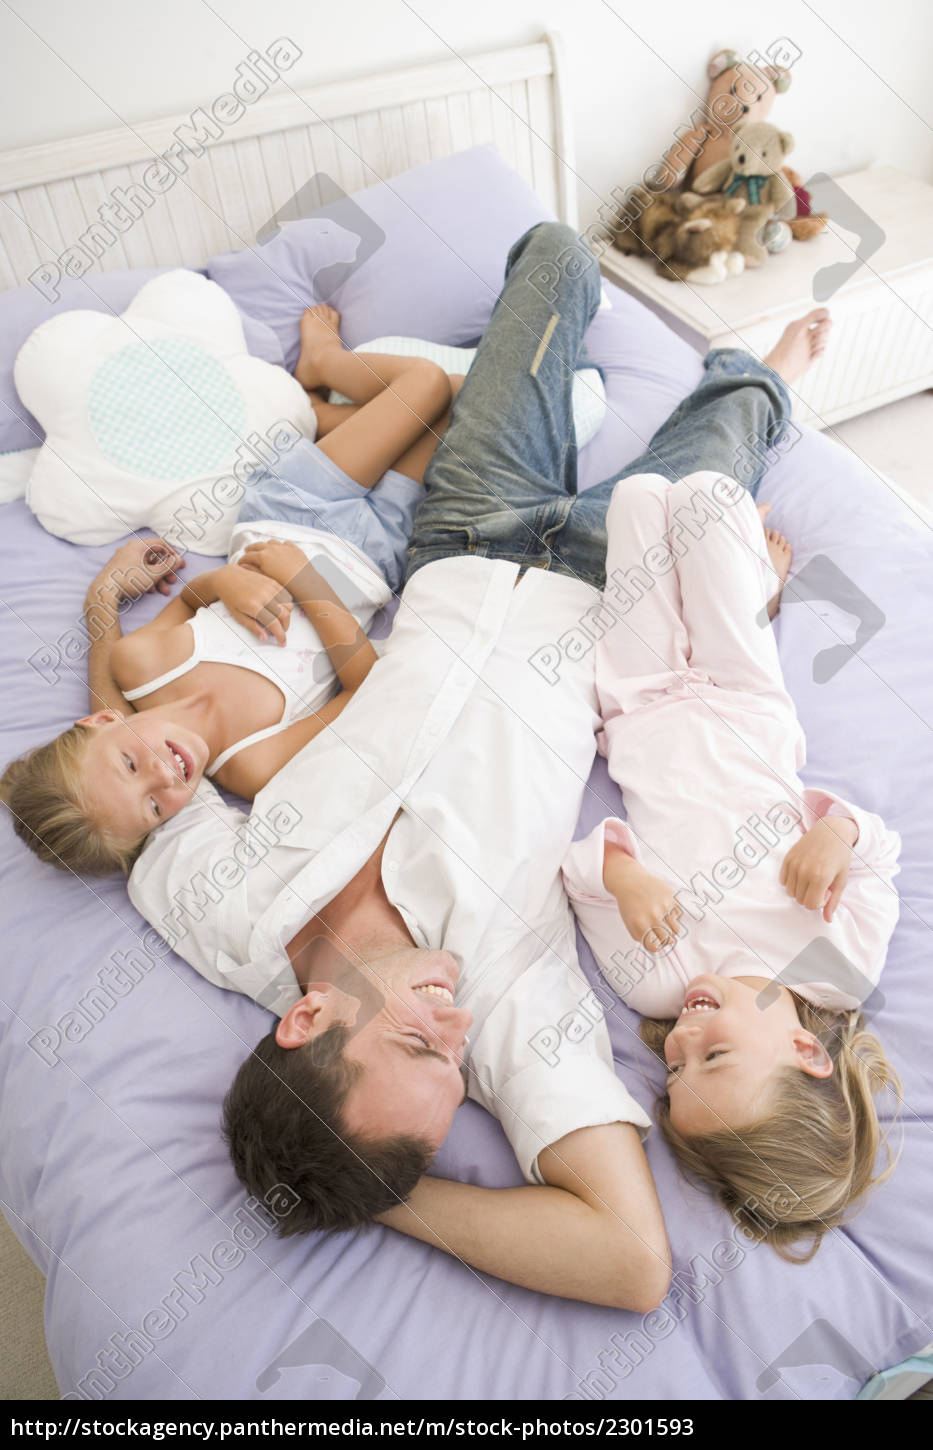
[{"x": 637, "y": 492}]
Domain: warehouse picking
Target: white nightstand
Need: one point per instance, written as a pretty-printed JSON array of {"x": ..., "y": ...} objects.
[{"x": 881, "y": 346}]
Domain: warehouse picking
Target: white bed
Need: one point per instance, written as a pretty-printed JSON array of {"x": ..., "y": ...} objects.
[{"x": 356, "y": 132}]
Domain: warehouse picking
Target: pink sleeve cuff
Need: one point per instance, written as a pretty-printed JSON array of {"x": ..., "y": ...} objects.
[
  {"x": 583, "y": 864},
  {"x": 836, "y": 808},
  {"x": 876, "y": 848}
]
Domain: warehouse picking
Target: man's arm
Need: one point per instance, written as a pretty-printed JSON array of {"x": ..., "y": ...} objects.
[{"x": 595, "y": 1232}]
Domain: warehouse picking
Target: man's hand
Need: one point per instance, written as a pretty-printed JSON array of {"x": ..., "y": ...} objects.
[
  {"x": 816, "y": 869},
  {"x": 138, "y": 567},
  {"x": 278, "y": 560},
  {"x": 255, "y": 601},
  {"x": 646, "y": 903}
]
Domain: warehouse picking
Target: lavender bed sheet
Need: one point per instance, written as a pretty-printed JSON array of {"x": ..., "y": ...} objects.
[{"x": 161, "y": 1281}]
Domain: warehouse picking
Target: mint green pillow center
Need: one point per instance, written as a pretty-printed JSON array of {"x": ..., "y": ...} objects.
[{"x": 166, "y": 409}]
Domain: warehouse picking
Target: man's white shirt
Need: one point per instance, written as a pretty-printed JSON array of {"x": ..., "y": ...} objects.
[{"x": 484, "y": 762}]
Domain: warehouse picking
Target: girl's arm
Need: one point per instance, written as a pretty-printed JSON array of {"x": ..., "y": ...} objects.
[
  {"x": 596, "y": 1232},
  {"x": 647, "y": 905},
  {"x": 816, "y": 868},
  {"x": 348, "y": 648},
  {"x": 145, "y": 565},
  {"x": 255, "y": 602},
  {"x": 142, "y": 566},
  {"x": 102, "y": 621},
  {"x": 843, "y": 869}
]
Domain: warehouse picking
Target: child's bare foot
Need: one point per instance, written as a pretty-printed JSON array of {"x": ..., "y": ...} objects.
[
  {"x": 320, "y": 329},
  {"x": 800, "y": 344},
  {"x": 780, "y": 553}
]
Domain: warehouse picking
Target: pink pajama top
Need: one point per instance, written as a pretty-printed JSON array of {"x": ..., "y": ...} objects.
[{"x": 703, "y": 739}]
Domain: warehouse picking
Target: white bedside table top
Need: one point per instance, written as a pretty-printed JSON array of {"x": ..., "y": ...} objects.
[{"x": 900, "y": 205}]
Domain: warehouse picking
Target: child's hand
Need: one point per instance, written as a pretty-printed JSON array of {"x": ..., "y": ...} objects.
[
  {"x": 138, "y": 567},
  {"x": 278, "y": 560},
  {"x": 816, "y": 869},
  {"x": 258, "y": 603},
  {"x": 646, "y": 903}
]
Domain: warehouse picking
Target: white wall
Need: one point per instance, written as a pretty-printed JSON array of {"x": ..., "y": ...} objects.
[{"x": 636, "y": 70}]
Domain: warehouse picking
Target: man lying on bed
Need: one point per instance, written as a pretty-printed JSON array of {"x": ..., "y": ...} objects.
[{"x": 419, "y": 895}]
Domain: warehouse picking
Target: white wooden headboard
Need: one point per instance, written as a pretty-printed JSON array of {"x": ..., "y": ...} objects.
[{"x": 357, "y": 132}]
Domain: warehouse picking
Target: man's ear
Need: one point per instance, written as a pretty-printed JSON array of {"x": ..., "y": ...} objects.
[
  {"x": 811, "y": 1055},
  {"x": 320, "y": 1008},
  {"x": 101, "y": 717}
]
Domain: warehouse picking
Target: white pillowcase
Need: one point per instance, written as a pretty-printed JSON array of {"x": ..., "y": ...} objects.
[
  {"x": 15, "y": 469},
  {"x": 589, "y": 395},
  {"x": 155, "y": 419}
]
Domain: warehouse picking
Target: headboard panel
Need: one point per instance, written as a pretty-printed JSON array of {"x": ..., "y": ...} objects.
[{"x": 229, "y": 178}]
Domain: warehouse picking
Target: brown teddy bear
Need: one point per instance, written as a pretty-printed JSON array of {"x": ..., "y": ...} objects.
[
  {"x": 753, "y": 170},
  {"x": 740, "y": 90},
  {"x": 691, "y": 238}
]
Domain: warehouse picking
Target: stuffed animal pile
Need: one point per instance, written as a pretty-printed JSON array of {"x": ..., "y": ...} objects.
[{"x": 743, "y": 202}]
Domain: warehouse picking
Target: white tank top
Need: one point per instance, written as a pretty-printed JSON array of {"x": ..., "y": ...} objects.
[{"x": 301, "y": 668}]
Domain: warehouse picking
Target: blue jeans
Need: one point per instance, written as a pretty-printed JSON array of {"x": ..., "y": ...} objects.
[{"x": 503, "y": 480}]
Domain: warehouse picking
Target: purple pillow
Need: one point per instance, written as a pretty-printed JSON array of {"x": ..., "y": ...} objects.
[
  {"x": 24, "y": 308},
  {"x": 421, "y": 255}
]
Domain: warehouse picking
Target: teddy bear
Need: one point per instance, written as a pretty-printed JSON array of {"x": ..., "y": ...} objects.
[
  {"x": 691, "y": 238},
  {"x": 753, "y": 171},
  {"x": 740, "y": 90}
]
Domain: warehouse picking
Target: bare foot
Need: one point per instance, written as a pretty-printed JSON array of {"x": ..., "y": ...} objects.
[
  {"x": 320, "y": 329},
  {"x": 800, "y": 344},
  {"x": 780, "y": 553}
]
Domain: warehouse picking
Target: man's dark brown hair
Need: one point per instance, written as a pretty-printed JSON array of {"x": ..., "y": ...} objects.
[{"x": 282, "y": 1122}]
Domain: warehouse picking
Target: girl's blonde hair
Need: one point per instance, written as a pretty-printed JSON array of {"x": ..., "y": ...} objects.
[
  {"x": 790, "y": 1177},
  {"x": 50, "y": 812}
]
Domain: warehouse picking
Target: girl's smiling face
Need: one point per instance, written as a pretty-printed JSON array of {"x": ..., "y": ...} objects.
[
  {"x": 139, "y": 771},
  {"x": 725, "y": 1050}
]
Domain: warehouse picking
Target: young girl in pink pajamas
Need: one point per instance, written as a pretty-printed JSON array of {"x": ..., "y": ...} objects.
[{"x": 747, "y": 914}]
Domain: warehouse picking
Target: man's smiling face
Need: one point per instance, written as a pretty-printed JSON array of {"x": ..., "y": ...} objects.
[{"x": 407, "y": 1039}]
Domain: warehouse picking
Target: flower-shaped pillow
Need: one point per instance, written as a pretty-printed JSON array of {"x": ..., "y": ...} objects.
[{"x": 155, "y": 419}]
